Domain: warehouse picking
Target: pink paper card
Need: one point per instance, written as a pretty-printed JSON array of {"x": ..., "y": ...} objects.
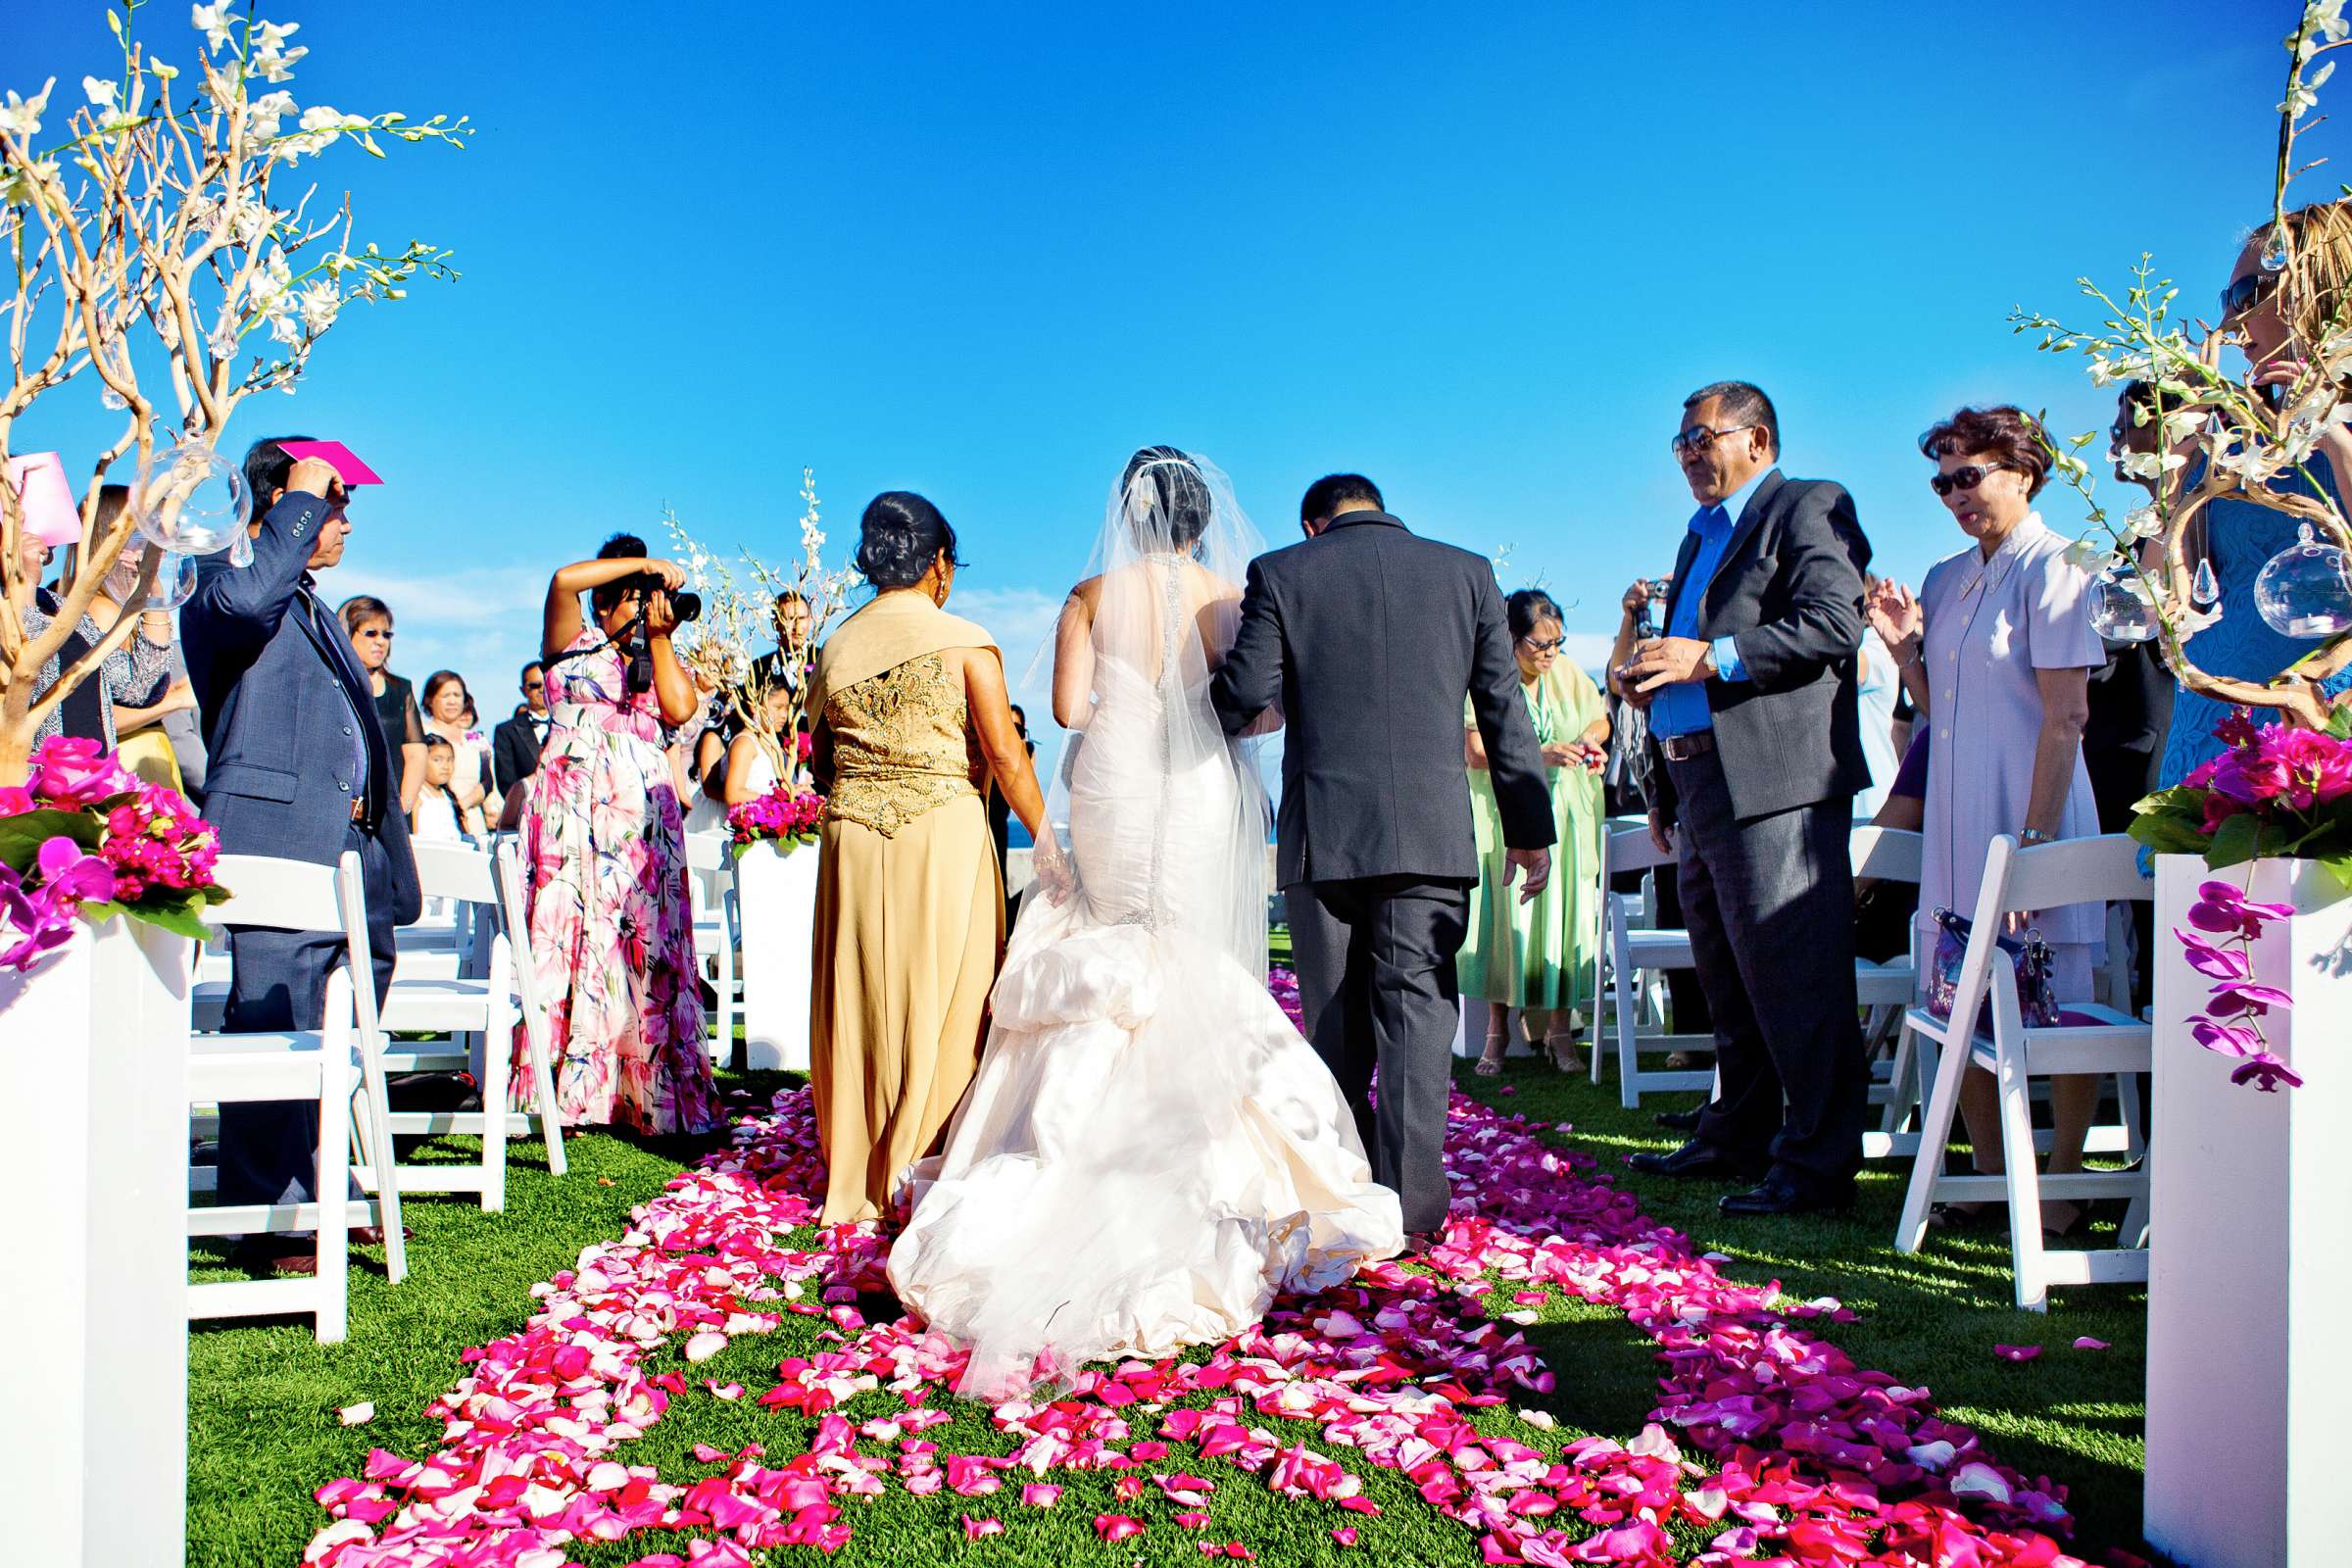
[
  {"x": 40, "y": 480},
  {"x": 336, "y": 456}
]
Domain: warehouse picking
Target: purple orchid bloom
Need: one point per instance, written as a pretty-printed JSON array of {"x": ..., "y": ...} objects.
[
  {"x": 2267, "y": 1072},
  {"x": 68, "y": 871}
]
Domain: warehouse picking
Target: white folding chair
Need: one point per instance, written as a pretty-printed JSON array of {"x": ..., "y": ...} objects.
[
  {"x": 2104, "y": 1040},
  {"x": 1637, "y": 953},
  {"x": 453, "y": 1007},
  {"x": 329, "y": 1063},
  {"x": 717, "y": 929},
  {"x": 1884, "y": 990}
]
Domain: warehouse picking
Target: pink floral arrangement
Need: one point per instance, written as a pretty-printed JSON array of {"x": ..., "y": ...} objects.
[
  {"x": 2274, "y": 791},
  {"x": 84, "y": 836},
  {"x": 784, "y": 816}
]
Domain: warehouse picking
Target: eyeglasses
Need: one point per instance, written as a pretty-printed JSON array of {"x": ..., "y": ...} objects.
[
  {"x": 1966, "y": 478},
  {"x": 1546, "y": 646},
  {"x": 2244, "y": 293},
  {"x": 1698, "y": 438},
  {"x": 534, "y": 685}
]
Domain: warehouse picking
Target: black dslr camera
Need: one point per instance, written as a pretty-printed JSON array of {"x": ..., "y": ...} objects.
[{"x": 637, "y": 665}]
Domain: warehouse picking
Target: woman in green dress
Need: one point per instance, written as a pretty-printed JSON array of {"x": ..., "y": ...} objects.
[{"x": 1537, "y": 956}]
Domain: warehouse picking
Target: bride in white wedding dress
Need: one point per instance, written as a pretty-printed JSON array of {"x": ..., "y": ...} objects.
[{"x": 1150, "y": 1151}]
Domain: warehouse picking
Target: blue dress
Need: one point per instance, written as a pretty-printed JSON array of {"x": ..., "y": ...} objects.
[{"x": 2243, "y": 537}]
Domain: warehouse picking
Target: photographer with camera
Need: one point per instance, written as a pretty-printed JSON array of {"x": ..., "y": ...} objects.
[{"x": 615, "y": 951}]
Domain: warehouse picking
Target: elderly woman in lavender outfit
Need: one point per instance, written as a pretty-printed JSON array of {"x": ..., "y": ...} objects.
[{"x": 1997, "y": 652}]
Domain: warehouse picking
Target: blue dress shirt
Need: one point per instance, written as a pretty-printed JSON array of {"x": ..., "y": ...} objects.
[{"x": 1681, "y": 708}]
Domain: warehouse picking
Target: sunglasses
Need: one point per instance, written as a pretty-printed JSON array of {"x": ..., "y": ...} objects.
[
  {"x": 373, "y": 631},
  {"x": 1966, "y": 478},
  {"x": 2244, "y": 294},
  {"x": 1698, "y": 438},
  {"x": 1549, "y": 645}
]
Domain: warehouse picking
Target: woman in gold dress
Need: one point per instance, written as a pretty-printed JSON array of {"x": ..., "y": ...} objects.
[{"x": 913, "y": 720}]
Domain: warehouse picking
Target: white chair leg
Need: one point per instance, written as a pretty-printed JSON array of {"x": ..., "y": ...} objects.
[
  {"x": 543, "y": 1091},
  {"x": 2134, "y": 1232},
  {"x": 2127, "y": 1099},
  {"x": 376, "y": 1127},
  {"x": 2021, "y": 1165},
  {"x": 1927, "y": 1165},
  {"x": 1901, "y": 1082},
  {"x": 496, "y": 1069},
  {"x": 332, "y": 1238}
]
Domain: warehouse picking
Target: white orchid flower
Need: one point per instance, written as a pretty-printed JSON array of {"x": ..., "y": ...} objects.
[
  {"x": 214, "y": 22},
  {"x": 20, "y": 118}
]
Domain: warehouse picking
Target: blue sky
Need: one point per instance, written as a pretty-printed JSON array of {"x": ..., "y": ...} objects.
[{"x": 983, "y": 252}]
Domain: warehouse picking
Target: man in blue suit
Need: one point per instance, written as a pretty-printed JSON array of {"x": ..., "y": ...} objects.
[{"x": 299, "y": 768}]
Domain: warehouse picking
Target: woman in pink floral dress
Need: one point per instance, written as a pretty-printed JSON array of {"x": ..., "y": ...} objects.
[{"x": 604, "y": 837}]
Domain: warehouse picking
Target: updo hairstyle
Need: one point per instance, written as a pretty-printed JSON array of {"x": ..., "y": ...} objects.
[
  {"x": 1179, "y": 496},
  {"x": 899, "y": 538}
]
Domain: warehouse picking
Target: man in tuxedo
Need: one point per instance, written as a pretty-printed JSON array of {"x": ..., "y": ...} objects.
[
  {"x": 1368, "y": 639},
  {"x": 1758, "y": 753},
  {"x": 514, "y": 745},
  {"x": 299, "y": 768}
]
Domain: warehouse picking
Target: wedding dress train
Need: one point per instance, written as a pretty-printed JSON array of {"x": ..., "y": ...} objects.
[{"x": 1150, "y": 1151}]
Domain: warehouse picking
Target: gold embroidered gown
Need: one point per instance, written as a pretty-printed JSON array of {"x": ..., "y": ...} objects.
[{"x": 909, "y": 905}]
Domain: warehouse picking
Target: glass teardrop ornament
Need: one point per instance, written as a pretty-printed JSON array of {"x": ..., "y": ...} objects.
[
  {"x": 2204, "y": 590},
  {"x": 2305, "y": 591},
  {"x": 2274, "y": 250}
]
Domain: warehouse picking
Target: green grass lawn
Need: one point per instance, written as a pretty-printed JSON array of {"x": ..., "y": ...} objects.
[{"x": 263, "y": 1431}]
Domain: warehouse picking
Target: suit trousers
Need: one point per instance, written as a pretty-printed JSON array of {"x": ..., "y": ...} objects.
[
  {"x": 269, "y": 1148},
  {"x": 1769, "y": 903},
  {"x": 1377, "y": 987}
]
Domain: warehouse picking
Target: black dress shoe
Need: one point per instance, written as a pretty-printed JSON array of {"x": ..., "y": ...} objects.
[
  {"x": 1680, "y": 1121},
  {"x": 1777, "y": 1195},
  {"x": 1698, "y": 1161}
]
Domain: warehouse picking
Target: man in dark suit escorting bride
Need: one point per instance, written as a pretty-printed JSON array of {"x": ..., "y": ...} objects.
[{"x": 1367, "y": 638}]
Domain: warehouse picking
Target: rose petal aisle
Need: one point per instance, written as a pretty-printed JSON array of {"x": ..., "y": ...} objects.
[{"x": 1768, "y": 1444}]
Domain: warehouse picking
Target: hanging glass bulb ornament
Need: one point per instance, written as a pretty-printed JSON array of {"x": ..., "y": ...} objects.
[
  {"x": 2204, "y": 589},
  {"x": 211, "y": 495},
  {"x": 175, "y": 582},
  {"x": 2274, "y": 250},
  {"x": 2305, "y": 589},
  {"x": 240, "y": 550},
  {"x": 2120, "y": 608}
]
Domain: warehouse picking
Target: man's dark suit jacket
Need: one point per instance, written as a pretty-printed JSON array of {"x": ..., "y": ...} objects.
[
  {"x": 1368, "y": 638},
  {"x": 1788, "y": 594},
  {"x": 281, "y": 693},
  {"x": 514, "y": 751}
]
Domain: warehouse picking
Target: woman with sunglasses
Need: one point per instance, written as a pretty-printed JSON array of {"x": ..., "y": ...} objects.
[
  {"x": 1536, "y": 955},
  {"x": 2274, "y": 316},
  {"x": 1997, "y": 652},
  {"x": 368, "y": 622}
]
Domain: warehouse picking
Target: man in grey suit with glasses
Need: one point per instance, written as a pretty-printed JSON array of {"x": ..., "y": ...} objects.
[{"x": 1758, "y": 754}]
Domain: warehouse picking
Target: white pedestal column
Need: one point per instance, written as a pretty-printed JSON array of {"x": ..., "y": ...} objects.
[
  {"x": 2249, "y": 1271},
  {"x": 778, "y": 896},
  {"x": 94, "y": 1296}
]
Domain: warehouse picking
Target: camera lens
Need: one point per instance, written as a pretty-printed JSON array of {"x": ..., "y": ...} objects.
[{"x": 686, "y": 605}]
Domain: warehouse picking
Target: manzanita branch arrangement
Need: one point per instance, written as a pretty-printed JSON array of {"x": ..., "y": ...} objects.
[
  {"x": 2249, "y": 435},
  {"x": 169, "y": 227}
]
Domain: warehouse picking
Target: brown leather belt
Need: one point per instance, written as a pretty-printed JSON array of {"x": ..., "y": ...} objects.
[{"x": 1682, "y": 748}]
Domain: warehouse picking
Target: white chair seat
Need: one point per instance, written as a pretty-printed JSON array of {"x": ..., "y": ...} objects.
[
  {"x": 1885, "y": 985},
  {"x": 436, "y": 1004}
]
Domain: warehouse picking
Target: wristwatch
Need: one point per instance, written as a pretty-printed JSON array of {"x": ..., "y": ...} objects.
[{"x": 2035, "y": 834}]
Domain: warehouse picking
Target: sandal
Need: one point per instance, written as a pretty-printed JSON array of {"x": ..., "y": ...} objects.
[
  {"x": 1490, "y": 1060},
  {"x": 1573, "y": 1061}
]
